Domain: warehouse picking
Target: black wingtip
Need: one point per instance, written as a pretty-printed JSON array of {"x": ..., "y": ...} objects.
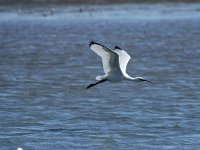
[
  {"x": 117, "y": 47},
  {"x": 91, "y": 43}
]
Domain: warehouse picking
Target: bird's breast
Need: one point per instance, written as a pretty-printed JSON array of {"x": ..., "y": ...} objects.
[{"x": 116, "y": 77}]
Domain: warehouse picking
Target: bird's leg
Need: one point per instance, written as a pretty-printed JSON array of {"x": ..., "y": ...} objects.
[{"x": 91, "y": 85}]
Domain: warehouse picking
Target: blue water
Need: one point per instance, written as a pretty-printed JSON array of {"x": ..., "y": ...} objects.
[{"x": 46, "y": 65}]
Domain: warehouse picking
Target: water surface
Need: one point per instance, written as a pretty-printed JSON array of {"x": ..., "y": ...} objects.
[{"x": 46, "y": 65}]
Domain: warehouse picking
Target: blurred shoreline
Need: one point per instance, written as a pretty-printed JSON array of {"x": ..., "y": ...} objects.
[
  {"x": 144, "y": 11},
  {"x": 89, "y": 2}
]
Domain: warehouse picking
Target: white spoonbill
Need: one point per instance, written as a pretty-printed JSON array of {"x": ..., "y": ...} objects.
[{"x": 114, "y": 64}]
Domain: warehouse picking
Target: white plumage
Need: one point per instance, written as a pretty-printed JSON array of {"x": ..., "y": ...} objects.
[
  {"x": 114, "y": 64},
  {"x": 123, "y": 58},
  {"x": 109, "y": 58}
]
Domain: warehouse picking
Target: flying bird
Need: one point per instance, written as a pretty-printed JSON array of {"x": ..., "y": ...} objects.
[{"x": 114, "y": 64}]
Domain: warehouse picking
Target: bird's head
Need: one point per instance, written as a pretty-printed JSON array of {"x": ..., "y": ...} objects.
[{"x": 140, "y": 79}]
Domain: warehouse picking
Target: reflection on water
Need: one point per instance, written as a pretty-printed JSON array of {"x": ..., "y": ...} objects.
[{"x": 46, "y": 65}]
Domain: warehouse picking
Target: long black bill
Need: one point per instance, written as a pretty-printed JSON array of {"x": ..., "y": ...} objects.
[
  {"x": 147, "y": 81},
  {"x": 91, "y": 85}
]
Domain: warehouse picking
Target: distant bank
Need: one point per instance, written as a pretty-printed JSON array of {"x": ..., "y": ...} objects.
[{"x": 47, "y": 2}]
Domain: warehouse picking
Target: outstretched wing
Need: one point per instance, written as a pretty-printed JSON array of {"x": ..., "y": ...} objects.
[
  {"x": 110, "y": 58},
  {"x": 123, "y": 58}
]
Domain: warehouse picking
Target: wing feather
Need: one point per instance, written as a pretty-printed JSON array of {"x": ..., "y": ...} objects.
[
  {"x": 124, "y": 58},
  {"x": 110, "y": 58}
]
